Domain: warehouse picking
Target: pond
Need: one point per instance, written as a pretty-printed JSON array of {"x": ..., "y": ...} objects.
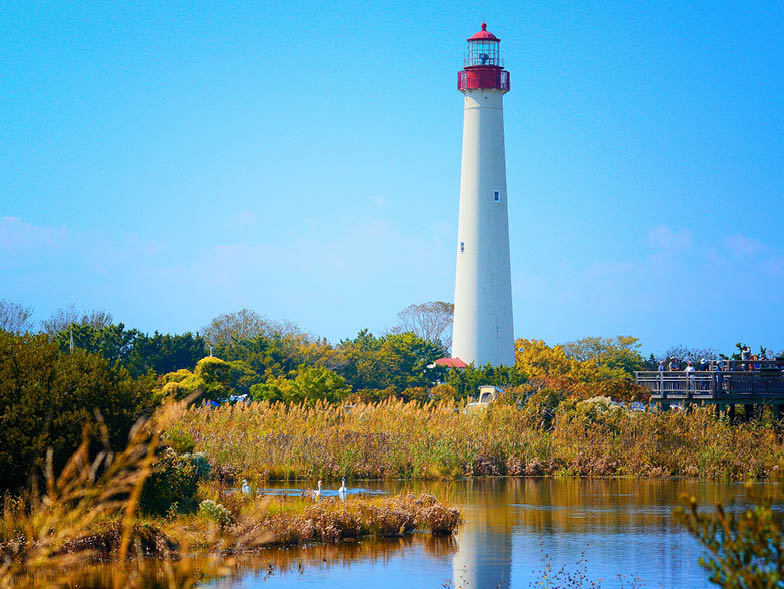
[{"x": 619, "y": 531}]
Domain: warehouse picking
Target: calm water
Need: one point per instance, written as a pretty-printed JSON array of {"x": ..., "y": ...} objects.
[{"x": 603, "y": 528}]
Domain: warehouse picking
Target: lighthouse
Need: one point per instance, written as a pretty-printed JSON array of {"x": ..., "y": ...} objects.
[{"x": 483, "y": 326}]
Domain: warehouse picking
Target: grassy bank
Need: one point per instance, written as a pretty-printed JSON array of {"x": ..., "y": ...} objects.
[
  {"x": 242, "y": 523},
  {"x": 406, "y": 440}
]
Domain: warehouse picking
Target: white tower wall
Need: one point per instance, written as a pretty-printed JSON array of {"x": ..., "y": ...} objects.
[{"x": 483, "y": 329}]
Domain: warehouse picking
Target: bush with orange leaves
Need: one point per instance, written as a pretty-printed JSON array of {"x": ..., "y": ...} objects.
[{"x": 574, "y": 370}]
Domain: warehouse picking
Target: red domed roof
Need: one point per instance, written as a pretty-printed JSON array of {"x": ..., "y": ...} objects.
[{"x": 484, "y": 35}]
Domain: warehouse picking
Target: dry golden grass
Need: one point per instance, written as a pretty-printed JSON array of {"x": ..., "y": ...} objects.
[
  {"x": 267, "y": 521},
  {"x": 393, "y": 439}
]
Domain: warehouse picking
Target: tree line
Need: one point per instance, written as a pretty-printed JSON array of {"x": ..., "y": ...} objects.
[{"x": 79, "y": 368}]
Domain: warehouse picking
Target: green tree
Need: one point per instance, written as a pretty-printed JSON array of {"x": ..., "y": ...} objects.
[
  {"x": 399, "y": 360},
  {"x": 163, "y": 353},
  {"x": 466, "y": 381},
  {"x": 266, "y": 355},
  {"x": 307, "y": 384},
  {"x": 47, "y": 398},
  {"x": 364, "y": 367},
  {"x": 241, "y": 377},
  {"x": 113, "y": 342},
  {"x": 407, "y": 358},
  {"x": 620, "y": 353}
]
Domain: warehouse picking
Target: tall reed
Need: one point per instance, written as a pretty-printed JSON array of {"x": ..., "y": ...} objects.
[{"x": 393, "y": 439}]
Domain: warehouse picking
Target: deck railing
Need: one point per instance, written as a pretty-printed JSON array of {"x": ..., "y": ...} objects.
[{"x": 711, "y": 384}]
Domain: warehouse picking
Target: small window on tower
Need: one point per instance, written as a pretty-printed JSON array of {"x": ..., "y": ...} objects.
[
  {"x": 462, "y": 247},
  {"x": 497, "y": 195}
]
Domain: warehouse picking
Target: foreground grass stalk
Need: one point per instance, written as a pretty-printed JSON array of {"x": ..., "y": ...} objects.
[{"x": 52, "y": 532}]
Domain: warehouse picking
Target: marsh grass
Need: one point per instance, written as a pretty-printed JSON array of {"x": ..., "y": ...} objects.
[
  {"x": 393, "y": 440},
  {"x": 90, "y": 512},
  {"x": 265, "y": 521}
]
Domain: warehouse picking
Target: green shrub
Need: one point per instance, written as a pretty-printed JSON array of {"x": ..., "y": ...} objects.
[
  {"x": 173, "y": 484},
  {"x": 216, "y": 512},
  {"x": 539, "y": 409},
  {"x": 415, "y": 394},
  {"x": 201, "y": 464},
  {"x": 215, "y": 373}
]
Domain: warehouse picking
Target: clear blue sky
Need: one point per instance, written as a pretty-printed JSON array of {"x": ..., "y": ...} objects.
[{"x": 173, "y": 161}]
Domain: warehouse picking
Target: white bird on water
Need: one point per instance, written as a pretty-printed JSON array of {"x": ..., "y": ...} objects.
[
  {"x": 315, "y": 495},
  {"x": 245, "y": 487},
  {"x": 343, "y": 490}
]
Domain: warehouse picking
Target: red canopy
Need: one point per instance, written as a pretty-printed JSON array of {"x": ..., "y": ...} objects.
[{"x": 451, "y": 362}]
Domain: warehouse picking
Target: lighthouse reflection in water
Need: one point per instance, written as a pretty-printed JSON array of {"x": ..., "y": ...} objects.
[{"x": 484, "y": 545}]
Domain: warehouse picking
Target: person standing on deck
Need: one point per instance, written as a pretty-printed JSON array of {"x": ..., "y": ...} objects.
[
  {"x": 703, "y": 380},
  {"x": 719, "y": 377},
  {"x": 690, "y": 374},
  {"x": 662, "y": 369}
]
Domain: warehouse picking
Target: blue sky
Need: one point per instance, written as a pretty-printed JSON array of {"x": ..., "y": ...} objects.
[{"x": 173, "y": 161}]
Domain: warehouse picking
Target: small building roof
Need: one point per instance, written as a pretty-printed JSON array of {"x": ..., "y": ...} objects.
[
  {"x": 451, "y": 363},
  {"x": 484, "y": 35}
]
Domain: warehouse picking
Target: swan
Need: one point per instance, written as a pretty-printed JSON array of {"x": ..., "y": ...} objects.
[
  {"x": 245, "y": 487},
  {"x": 343, "y": 490},
  {"x": 316, "y": 495}
]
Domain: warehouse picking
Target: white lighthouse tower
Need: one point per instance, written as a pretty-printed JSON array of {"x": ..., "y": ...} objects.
[{"x": 483, "y": 331}]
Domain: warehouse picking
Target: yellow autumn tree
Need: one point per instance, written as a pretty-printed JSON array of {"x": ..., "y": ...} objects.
[{"x": 535, "y": 359}]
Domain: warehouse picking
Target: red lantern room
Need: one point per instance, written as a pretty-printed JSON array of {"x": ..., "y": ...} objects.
[{"x": 482, "y": 66}]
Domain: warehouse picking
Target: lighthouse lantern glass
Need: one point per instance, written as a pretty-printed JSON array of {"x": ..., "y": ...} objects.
[{"x": 483, "y": 53}]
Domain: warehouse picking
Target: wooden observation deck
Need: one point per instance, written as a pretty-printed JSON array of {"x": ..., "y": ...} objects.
[{"x": 739, "y": 382}]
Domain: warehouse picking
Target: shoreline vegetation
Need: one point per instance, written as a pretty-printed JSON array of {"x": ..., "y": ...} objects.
[
  {"x": 549, "y": 435},
  {"x": 110, "y": 507}
]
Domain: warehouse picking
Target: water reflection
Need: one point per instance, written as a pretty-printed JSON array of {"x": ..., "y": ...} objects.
[{"x": 511, "y": 525}]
